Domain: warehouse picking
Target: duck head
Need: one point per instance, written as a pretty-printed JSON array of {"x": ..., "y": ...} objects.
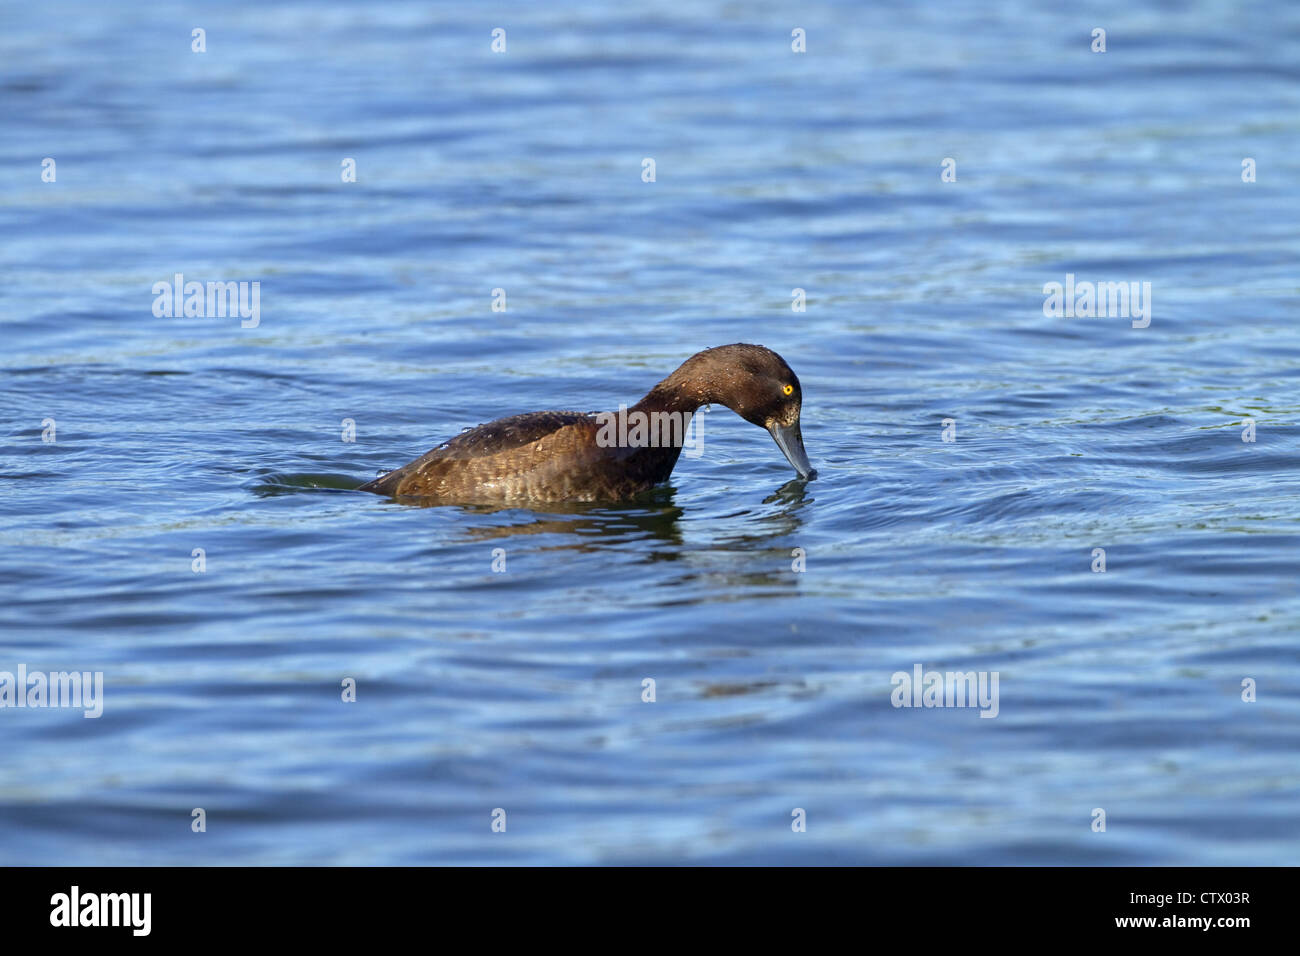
[{"x": 756, "y": 384}]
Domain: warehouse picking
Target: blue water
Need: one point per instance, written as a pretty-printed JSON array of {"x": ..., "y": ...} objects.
[{"x": 522, "y": 690}]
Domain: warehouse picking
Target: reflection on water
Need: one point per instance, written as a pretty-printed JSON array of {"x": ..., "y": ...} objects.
[
  {"x": 273, "y": 484},
  {"x": 589, "y": 527}
]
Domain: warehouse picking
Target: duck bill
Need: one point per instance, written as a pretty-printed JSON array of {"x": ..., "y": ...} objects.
[{"x": 790, "y": 441}]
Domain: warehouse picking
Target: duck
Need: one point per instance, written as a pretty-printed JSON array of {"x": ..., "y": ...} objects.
[{"x": 556, "y": 456}]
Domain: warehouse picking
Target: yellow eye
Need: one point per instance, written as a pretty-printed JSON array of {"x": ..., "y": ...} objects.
[{"x": 788, "y": 389}]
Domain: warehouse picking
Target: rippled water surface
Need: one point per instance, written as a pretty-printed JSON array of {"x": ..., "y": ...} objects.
[{"x": 522, "y": 690}]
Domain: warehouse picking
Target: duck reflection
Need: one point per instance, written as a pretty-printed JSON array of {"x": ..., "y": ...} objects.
[
  {"x": 760, "y": 551},
  {"x": 651, "y": 516}
]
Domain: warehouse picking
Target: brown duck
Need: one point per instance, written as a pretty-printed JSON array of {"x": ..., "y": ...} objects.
[{"x": 573, "y": 456}]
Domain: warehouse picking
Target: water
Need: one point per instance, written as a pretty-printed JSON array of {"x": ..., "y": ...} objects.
[{"x": 1119, "y": 690}]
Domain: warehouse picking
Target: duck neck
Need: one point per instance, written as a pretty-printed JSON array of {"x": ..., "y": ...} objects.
[
  {"x": 682, "y": 392},
  {"x": 669, "y": 400}
]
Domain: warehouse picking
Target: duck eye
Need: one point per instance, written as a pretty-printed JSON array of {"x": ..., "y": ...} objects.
[{"x": 788, "y": 389}]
